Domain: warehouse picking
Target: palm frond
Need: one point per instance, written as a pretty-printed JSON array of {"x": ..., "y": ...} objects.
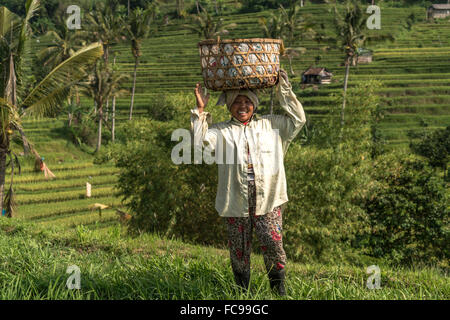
[
  {"x": 31, "y": 7},
  {"x": 9, "y": 203},
  {"x": 49, "y": 104},
  {"x": 208, "y": 27},
  {"x": 50, "y": 91},
  {"x": 11, "y": 83},
  {"x": 9, "y": 117},
  {"x": 8, "y": 19}
]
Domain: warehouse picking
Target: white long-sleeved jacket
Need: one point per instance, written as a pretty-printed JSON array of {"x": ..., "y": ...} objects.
[{"x": 268, "y": 138}]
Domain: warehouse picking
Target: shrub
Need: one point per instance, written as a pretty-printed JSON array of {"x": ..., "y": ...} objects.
[
  {"x": 159, "y": 108},
  {"x": 328, "y": 180},
  {"x": 407, "y": 211},
  {"x": 168, "y": 199},
  {"x": 260, "y": 5},
  {"x": 325, "y": 182},
  {"x": 435, "y": 146},
  {"x": 172, "y": 200},
  {"x": 333, "y": 207},
  {"x": 322, "y": 215}
]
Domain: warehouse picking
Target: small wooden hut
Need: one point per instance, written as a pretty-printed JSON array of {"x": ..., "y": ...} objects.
[
  {"x": 316, "y": 76},
  {"x": 364, "y": 55},
  {"x": 438, "y": 11}
]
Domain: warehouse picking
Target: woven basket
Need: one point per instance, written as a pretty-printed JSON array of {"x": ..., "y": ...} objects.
[{"x": 240, "y": 63}]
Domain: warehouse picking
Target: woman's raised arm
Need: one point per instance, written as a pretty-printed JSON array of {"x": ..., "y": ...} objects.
[{"x": 200, "y": 122}]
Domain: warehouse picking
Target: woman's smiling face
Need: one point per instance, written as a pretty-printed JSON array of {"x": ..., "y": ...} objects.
[{"x": 242, "y": 108}]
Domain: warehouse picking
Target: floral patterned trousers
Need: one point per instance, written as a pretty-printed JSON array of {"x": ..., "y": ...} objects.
[{"x": 268, "y": 228}]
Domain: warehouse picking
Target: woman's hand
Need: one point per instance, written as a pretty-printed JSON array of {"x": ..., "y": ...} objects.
[
  {"x": 202, "y": 101},
  {"x": 284, "y": 75}
]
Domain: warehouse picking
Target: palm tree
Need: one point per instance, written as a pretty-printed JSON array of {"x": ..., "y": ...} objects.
[
  {"x": 294, "y": 23},
  {"x": 352, "y": 34},
  {"x": 180, "y": 8},
  {"x": 138, "y": 27},
  {"x": 16, "y": 101},
  {"x": 113, "y": 115},
  {"x": 105, "y": 26},
  {"x": 197, "y": 5},
  {"x": 285, "y": 24},
  {"x": 291, "y": 53},
  {"x": 65, "y": 43},
  {"x": 101, "y": 85},
  {"x": 208, "y": 27},
  {"x": 272, "y": 28}
]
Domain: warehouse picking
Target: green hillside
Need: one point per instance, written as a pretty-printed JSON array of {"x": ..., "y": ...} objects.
[
  {"x": 170, "y": 63},
  {"x": 415, "y": 71}
]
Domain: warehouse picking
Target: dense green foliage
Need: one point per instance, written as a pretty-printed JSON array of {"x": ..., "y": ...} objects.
[
  {"x": 327, "y": 181},
  {"x": 260, "y": 5},
  {"x": 435, "y": 146},
  {"x": 408, "y": 211},
  {"x": 175, "y": 200},
  {"x": 334, "y": 206}
]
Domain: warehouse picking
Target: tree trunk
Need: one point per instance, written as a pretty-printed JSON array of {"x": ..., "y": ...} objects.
[
  {"x": 347, "y": 71},
  {"x": 107, "y": 110},
  {"x": 113, "y": 130},
  {"x": 180, "y": 7},
  {"x": 198, "y": 9},
  {"x": 106, "y": 54},
  {"x": 100, "y": 120},
  {"x": 136, "y": 62},
  {"x": 271, "y": 100},
  {"x": 290, "y": 66},
  {"x": 2, "y": 175},
  {"x": 77, "y": 95},
  {"x": 128, "y": 7},
  {"x": 113, "y": 115}
]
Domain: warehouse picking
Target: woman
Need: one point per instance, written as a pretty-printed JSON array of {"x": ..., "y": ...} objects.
[{"x": 252, "y": 189}]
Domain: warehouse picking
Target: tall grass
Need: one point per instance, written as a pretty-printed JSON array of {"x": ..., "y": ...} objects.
[{"x": 112, "y": 266}]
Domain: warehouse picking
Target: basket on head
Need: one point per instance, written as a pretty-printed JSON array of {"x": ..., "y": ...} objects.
[{"x": 240, "y": 63}]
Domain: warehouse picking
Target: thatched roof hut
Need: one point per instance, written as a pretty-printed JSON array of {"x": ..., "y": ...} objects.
[
  {"x": 438, "y": 11},
  {"x": 364, "y": 55},
  {"x": 317, "y": 76}
]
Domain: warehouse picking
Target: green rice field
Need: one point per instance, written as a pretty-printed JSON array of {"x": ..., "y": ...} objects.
[{"x": 55, "y": 227}]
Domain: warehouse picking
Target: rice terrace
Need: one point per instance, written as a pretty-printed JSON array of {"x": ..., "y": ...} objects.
[{"x": 94, "y": 207}]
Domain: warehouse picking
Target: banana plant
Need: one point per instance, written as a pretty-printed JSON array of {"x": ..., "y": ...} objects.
[{"x": 18, "y": 100}]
